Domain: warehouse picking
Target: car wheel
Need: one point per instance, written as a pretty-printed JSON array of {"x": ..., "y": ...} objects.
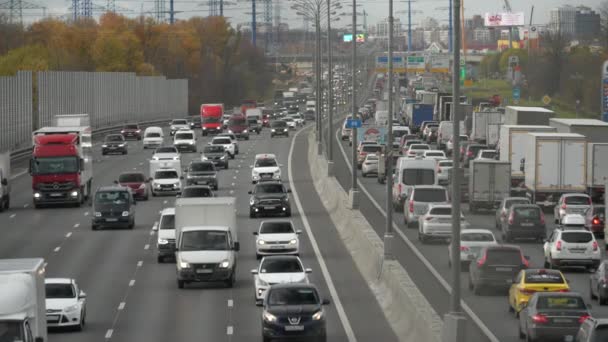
[
  {"x": 258, "y": 256},
  {"x": 470, "y": 283},
  {"x": 79, "y": 326},
  {"x": 600, "y": 299},
  {"x": 180, "y": 284},
  {"x": 93, "y": 227},
  {"x": 230, "y": 282},
  {"x": 449, "y": 263},
  {"x": 266, "y": 339},
  {"x": 232, "y": 156},
  {"x": 477, "y": 289},
  {"x": 146, "y": 197},
  {"x": 153, "y": 193},
  {"x": 421, "y": 237},
  {"x": 288, "y": 213},
  {"x": 546, "y": 265},
  {"x": 160, "y": 259},
  {"x": 521, "y": 333},
  {"x": 131, "y": 225},
  {"x": 252, "y": 214},
  {"x": 216, "y": 187},
  {"x": 226, "y": 166},
  {"x": 322, "y": 338}
]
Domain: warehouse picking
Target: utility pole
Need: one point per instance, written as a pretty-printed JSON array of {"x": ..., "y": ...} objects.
[
  {"x": 450, "y": 29},
  {"x": 454, "y": 320},
  {"x": 171, "y": 12},
  {"x": 330, "y": 95},
  {"x": 409, "y": 27},
  {"x": 388, "y": 234},
  {"x": 354, "y": 191},
  {"x": 221, "y": 8},
  {"x": 254, "y": 25}
]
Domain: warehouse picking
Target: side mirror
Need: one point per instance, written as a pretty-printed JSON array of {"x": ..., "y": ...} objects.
[
  {"x": 258, "y": 303},
  {"x": 254, "y": 271},
  {"x": 236, "y": 247},
  {"x": 4, "y": 181},
  {"x": 298, "y": 231},
  {"x": 249, "y": 192},
  {"x": 82, "y": 295},
  {"x": 309, "y": 270},
  {"x": 255, "y": 233},
  {"x": 325, "y": 302},
  {"x": 289, "y": 190}
]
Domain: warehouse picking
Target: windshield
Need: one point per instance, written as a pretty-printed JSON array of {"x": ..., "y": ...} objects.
[
  {"x": 418, "y": 177},
  {"x": 222, "y": 141},
  {"x": 371, "y": 148},
  {"x": 430, "y": 195},
  {"x": 281, "y": 266},
  {"x": 445, "y": 163},
  {"x": 510, "y": 203},
  {"x": 131, "y": 178},
  {"x": 198, "y": 191},
  {"x": 114, "y": 137},
  {"x": 560, "y": 302},
  {"x": 167, "y": 222},
  {"x": 59, "y": 291},
  {"x": 265, "y": 163},
  {"x": 477, "y": 237},
  {"x": 204, "y": 241},
  {"x": 435, "y": 154},
  {"x": 166, "y": 175},
  {"x": 11, "y": 331},
  {"x": 490, "y": 155},
  {"x": 237, "y": 122},
  {"x": 200, "y": 167},
  {"x": 578, "y": 200},
  {"x": 166, "y": 150},
  {"x": 420, "y": 147},
  {"x": 211, "y": 119},
  {"x": 276, "y": 228},
  {"x": 131, "y": 127},
  {"x": 184, "y": 136},
  {"x": 527, "y": 213},
  {"x": 293, "y": 296},
  {"x": 441, "y": 211},
  {"x": 503, "y": 256},
  {"x": 397, "y": 134},
  {"x": 269, "y": 189},
  {"x": 278, "y": 124},
  {"x": 577, "y": 237},
  {"x": 544, "y": 277},
  {"x": 111, "y": 197},
  {"x": 213, "y": 149},
  {"x": 54, "y": 165},
  {"x": 179, "y": 122},
  {"x": 153, "y": 135}
]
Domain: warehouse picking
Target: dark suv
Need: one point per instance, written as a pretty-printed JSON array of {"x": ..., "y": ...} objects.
[
  {"x": 524, "y": 221},
  {"x": 496, "y": 267},
  {"x": 113, "y": 206},
  {"x": 196, "y": 191},
  {"x": 293, "y": 311},
  {"x": 202, "y": 173},
  {"x": 279, "y": 127},
  {"x": 271, "y": 198},
  {"x": 131, "y": 131},
  {"x": 114, "y": 143},
  {"x": 503, "y": 210}
]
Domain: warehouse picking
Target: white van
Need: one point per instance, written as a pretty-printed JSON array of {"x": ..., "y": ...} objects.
[
  {"x": 153, "y": 137},
  {"x": 410, "y": 172},
  {"x": 445, "y": 131},
  {"x": 381, "y": 118},
  {"x": 311, "y": 105}
]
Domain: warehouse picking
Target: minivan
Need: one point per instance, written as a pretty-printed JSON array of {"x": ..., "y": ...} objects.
[
  {"x": 153, "y": 137},
  {"x": 410, "y": 172},
  {"x": 421, "y": 196},
  {"x": 113, "y": 206}
]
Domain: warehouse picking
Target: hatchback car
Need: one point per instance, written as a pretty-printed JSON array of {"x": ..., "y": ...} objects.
[
  {"x": 525, "y": 221},
  {"x": 131, "y": 131},
  {"x": 137, "y": 182},
  {"x": 276, "y": 237},
  {"x": 369, "y": 165},
  {"x": 593, "y": 330},
  {"x": 552, "y": 316},
  {"x": 202, "y": 173},
  {"x": 571, "y": 204},
  {"x": 472, "y": 241},
  {"x": 531, "y": 281},
  {"x": 434, "y": 154},
  {"x": 185, "y": 140},
  {"x": 598, "y": 284},
  {"x": 417, "y": 203},
  {"x": 436, "y": 223},
  {"x": 502, "y": 213},
  {"x": 166, "y": 182},
  {"x": 177, "y": 124},
  {"x": 566, "y": 247},
  {"x": 66, "y": 303},
  {"x": 594, "y": 220},
  {"x": 196, "y": 191},
  {"x": 114, "y": 143},
  {"x": 269, "y": 198},
  {"x": 265, "y": 168},
  {"x": 280, "y": 321},
  {"x": 368, "y": 149},
  {"x": 226, "y": 143},
  {"x": 233, "y": 138},
  {"x": 495, "y": 267},
  {"x": 443, "y": 171},
  {"x": 486, "y": 155},
  {"x": 166, "y": 153},
  {"x": 217, "y": 155},
  {"x": 279, "y": 127},
  {"x": 415, "y": 149},
  {"x": 113, "y": 206},
  {"x": 278, "y": 269}
]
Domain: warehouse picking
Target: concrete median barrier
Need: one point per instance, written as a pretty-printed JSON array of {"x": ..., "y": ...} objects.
[{"x": 409, "y": 313}]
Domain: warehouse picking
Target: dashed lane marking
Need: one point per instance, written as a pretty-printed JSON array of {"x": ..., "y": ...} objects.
[
  {"x": 26, "y": 205},
  {"x": 132, "y": 282},
  {"x": 76, "y": 225},
  {"x": 230, "y": 303},
  {"x": 140, "y": 263},
  {"x": 121, "y": 306},
  {"x": 68, "y": 235},
  {"x": 231, "y": 192},
  {"x": 13, "y": 215},
  {"x": 109, "y": 334},
  {"x": 57, "y": 249},
  {"x": 86, "y": 213},
  {"x": 229, "y": 330},
  {"x": 147, "y": 246}
]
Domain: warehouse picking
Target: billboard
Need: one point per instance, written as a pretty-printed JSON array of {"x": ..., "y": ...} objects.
[
  {"x": 348, "y": 37},
  {"x": 504, "y": 19},
  {"x": 416, "y": 64},
  {"x": 440, "y": 64},
  {"x": 382, "y": 63}
]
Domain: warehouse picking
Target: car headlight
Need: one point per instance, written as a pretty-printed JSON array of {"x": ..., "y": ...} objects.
[
  {"x": 121, "y": 145},
  {"x": 71, "y": 308},
  {"x": 125, "y": 213},
  {"x": 244, "y": 131},
  {"x": 156, "y": 185},
  {"x": 293, "y": 242},
  {"x": 183, "y": 264},
  {"x": 223, "y": 157},
  {"x": 318, "y": 315},
  {"x": 163, "y": 241},
  {"x": 176, "y": 184},
  {"x": 273, "y": 130},
  {"x": 176, "y": 158},
  {"x": 229, "y": 131},
  {"x": 37, "y": 195},
  {"x": 277, "y": 176},
  {"x": 261, "y": 242},
  {"x": 268, "y": 317},
  {"x": 191, "y": 142},
  {"x": 224, "y": 264},
  {"x": 155, "y": 158},
  {"x": 104, "y": 145},
  {"x": 204, "y": 158},
  {"x": 204, "y": 128},
  {"x": 97, "y": 214},
  {"x": 74, "y": 193}
]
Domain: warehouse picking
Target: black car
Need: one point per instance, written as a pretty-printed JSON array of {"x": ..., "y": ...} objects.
[
  {"x": 524, "y": 221},
  {"x": 131, "y": 131},
  {"x": 496, "y": 267},
  {"x": 202, "y": 173},
  {"x": 216, "y": 154},
  {"x": 598, "y": 284},
  {"x": 503, "y": 209},
  {"x": 195, "y": 122},
  {"x": 593, "y": 330},
  {"x": 196, "y": 191},
  {"x": 114, "y": 143},
  {"x": 113, "y": 207},
  {"x": 279, "y": 127},
  {"x": 293, "y": 311},
  {"x": 269, "y": 198},
  {"x": 552, "y": 316},
  {"x": 309, "y": 115},
  {"x": 254, "y": 125}
]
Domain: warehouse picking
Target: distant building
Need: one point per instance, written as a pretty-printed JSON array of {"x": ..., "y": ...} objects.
[
  {"x": 563, "y": 20},
  {"x": 587, "y": 23},
  {"x": 575, "y": 22},
  {"x": 482, "y": 35},
  {"x": 382, "y": 29}
]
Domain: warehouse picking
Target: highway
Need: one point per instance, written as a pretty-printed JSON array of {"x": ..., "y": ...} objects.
[
  {"x": 130, "y": 297},
  {"x": 428, "y": 264}
]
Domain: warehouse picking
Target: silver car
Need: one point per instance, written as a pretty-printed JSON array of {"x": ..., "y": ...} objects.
[
  {"x": 577, "y": 203},
  {"x": 417, "y": 203},
  {"x": 436, "y": 223},
  {"x": 370, "y": 165},
  {"x": 472, "y": 241},
  {"x": 443, "y": 169}
]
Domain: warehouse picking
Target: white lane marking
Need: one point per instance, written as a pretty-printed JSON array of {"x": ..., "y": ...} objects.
[
  {"x": 233, "y": 184},
  {"x": 68, "y": 235},
  {"x": 165, "y": 202},
  {"x": 141, "y": 163},
  {"x": 109, "y": 334},
  {"x": 237, "y": 171},
  {"x": 121, "y": 306},
  {"x": 26, "y": 205},
  {"x": 15, "y": 176},
  {"x": 147, "y": 246},
  {"x": 231, "y": 192},
  {"x": 13, "y": 215},
  {"x": 151, "y": 232},
  {"x": 420, "y": 256},
  {"x": 132, "y": 282},
  {"x": 76, "y": 225},
  {"x": 134, "y": 168},
  {"x": 230, "y": 303},
  {"x": 57, "y": 249},
  {"x": 140, "y": 263},
  {"x": 234, "y": 177},
  {"x": 350, "y": 334},
  {"x": 86, "y": 213},
  {"x": 229, "y": 330}
]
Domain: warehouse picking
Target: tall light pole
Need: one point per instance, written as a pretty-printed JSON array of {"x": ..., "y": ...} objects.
[
  {"x": 353, "y": 193},
  {"x": 388, "y": 234},
  {"x": 330, "y": 96},
  {"x": 454, "y": 320}
]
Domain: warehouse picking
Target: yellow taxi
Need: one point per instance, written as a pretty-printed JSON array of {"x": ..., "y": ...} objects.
[{"x": 529, "y": 281}]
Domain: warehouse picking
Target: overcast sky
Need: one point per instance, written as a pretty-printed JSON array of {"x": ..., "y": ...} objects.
[{"x": 377, "y": 9}]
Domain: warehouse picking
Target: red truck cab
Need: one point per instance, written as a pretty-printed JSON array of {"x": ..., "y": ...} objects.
[
  {"x": 248, "y": 104},
  {"x": 238, "y": 126},
  {"x": 211, "y": 118}
]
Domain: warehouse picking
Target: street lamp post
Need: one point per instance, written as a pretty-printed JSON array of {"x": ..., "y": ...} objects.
[
  {"x": 388, "y": 234},
  {"x": 353, "y": 193},
  {"x": 330, "y": 96}
]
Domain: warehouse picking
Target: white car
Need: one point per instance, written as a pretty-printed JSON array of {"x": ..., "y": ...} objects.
[
  {"x": 414, "y": 149},
  {"x": 345, "y": 132},
  {"x": 234, "y": 140},
  {"x": 153, "y": 137},
  {"x": 185, "y": 140},
  {"x": 436, "y": 223},
  {"x": 65, "y": 303},
  {"x": 276, "y": 237},
  {"x": 165, "y": 242},
  {"x": 573, "y": 203},
  {"x": 226, "y": 143},
  {"x": 443, "y": 169},
  {"x": 472, "y": 241},
  {"x": 291, "y": 123},
  {"x": 449, "y": 146},
  {"x": 278, "y": 269},
  {"x": 571, "y": 247},
  {"x": 486, "y": 155},
  {"x": 166, "y": 181},
  {"x": 177, "y": 124},
  {"x": 166, "y": 153},
  {"x": 369, "y": 165},
  {"x": 265, "y": 167},
  {"x": 434, "y": 154}
]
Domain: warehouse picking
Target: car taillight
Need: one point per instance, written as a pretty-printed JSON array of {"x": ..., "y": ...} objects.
[
  {"x": 583, "y": 318},
  {"x": 430, "y": 219},
  {"x": 464, "y": 248},
  {"x": 558, "y": 245},
  {"x": 527, "y": 291},
  {"x": 524, "y": 261},
  {"x": 596, "y": 221},
  {"x": 399, "y": 187},
  {"x": 564, "y": 206},
  {"x": 482, "y": 261},
  {"x": 540, "y": 319},
  {"x": 564, "y": 290},
  {"x": 511, "y": 218},
  {"x": 595, "y": 246},
  {"x": 438, "y": 170},
  {"x": 469, "y": 154},
  {"x": 542, "y": 218},
  {"x": 411, "y": 206}
]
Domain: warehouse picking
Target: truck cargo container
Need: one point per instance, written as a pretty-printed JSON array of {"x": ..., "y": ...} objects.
[
  {"x": 597, "y": 169},
  {"x": 511, "y": 148},
  {"x": 553, "y": 164},
  {"x": 489, "y": 183},
  {"x": 416, "y": 113},
  {"x": 493, "y": 134},
  {"x": 22, "y": 300},
  {"x": 480, "y": 122},
  {"x": 516, "y": 115},
  {"x": 426, "y": 97},
  {"x": 444, "y": 113},
  {"x": 596, "y": 131}
]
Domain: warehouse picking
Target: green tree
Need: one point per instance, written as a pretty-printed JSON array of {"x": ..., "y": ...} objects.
[{"x": 31, "y": 57}]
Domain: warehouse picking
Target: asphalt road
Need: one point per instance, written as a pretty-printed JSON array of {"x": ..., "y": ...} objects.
[
  {"x": 433, "y": 276},
  {"x": 132, "y": 298}
]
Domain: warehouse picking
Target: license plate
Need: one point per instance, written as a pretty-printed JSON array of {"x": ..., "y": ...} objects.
[
  {"x": 55, "y": 194},
  {"x": 503, "y": 269},
  {"x": 576, "y": 251},
  {"x": 204, "y": 270},
  {"x": 294, "y": 328},
  {"x": 111, "y": 220},
  {"x": 269, "y": 208},
  {"x": 276, "y": 247},
  {"x": 52, "y": 318},
  {"x": 201, "y": 182},
  {"x": 562, "y": 320},
  {"x": 527, "y": 224}
]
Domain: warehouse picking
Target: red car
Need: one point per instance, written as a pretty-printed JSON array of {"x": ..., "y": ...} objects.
[
  {"x": 137, "y": 182},
  {"x": 131, "y": 131},
  {"x": 265, "y": 120}
]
